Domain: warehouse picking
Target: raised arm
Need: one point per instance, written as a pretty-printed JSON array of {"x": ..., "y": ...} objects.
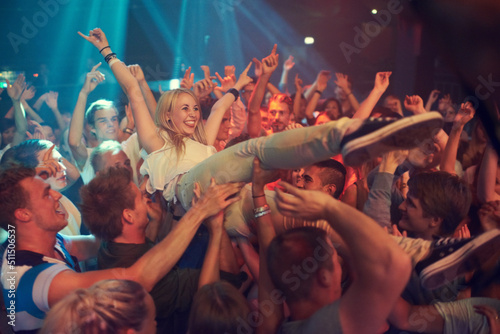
[
  {"x": 298, "y": 98},
  {"x": 78, "y": 149},
  {"x": 269, "y": 65},
  {"x": 265, "y": 234},
  {"x": 138, "y": 74},
  {"x": 415, "y": 105},
  {"x": 380, "y": 269},
  {"x": 433, "y": 96},
  {"x": 321, "y": 83},
  {"x": 379, "y": 88},
  {"x": 15, "y": 92},
  {"x": 449, "y": 156},
  {"x": 28, "y": 94},
  {"x": 146, "y": 128},
  {"x": 343, "y": 82},
  {"x": 222, "y": 105},
  {"x": 158, "y": 261},
  {"x": 287, "y": 66},
  {"x": 51, "y": 102}
]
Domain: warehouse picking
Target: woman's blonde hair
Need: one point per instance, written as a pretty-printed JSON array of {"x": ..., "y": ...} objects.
[
  {"x": 108, "y": 306},
  {"x": 167, "y": 129}
]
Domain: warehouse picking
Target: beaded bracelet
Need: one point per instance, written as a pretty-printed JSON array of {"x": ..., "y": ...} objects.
[{"x": 110, "y": 56}]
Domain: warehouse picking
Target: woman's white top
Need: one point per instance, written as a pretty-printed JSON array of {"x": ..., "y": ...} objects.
[{"x": 165, "y": 170}]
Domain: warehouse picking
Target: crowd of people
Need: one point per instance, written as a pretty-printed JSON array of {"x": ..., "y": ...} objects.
[{"x": 240, "y": 207}]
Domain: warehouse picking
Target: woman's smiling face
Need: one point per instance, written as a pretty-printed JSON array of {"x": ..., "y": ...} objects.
[{"x": 186, "y": 114}]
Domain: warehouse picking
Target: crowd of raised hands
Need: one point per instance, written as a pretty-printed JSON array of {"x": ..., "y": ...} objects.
[{"x": 260, "y": 108}]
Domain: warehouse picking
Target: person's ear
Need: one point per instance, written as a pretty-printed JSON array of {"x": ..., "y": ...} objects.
[
  {"x": 23, "y": 215},
  {"x": 330, "y": 189},
  {"x": 127, "y": 216},
  {"x": 324, "y": 277},
  {"x": 436, "y": 222}
]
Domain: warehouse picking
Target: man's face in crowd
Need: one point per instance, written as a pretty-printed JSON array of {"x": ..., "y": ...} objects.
[
  {"x": 44, "y": 205},
  {"x": 279, "y": 116}
]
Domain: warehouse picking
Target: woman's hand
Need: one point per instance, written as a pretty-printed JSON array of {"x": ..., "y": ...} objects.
[{"x": 96, "y": 37}]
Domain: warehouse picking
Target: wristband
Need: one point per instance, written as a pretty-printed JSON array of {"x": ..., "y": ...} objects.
[
  {"x": 129, "y": 131},
  {"x": 258, "y": 196},
  {"x": 261, "y": 209},
  {"x": 113, "y": 61},
  {"x": 319, "y": 92},
  {"x": 110, "y": 56},
  {"x": 106, "y": 47},
  {"x": 263, "y": 213},
  {"x": 235, "y": 92}
]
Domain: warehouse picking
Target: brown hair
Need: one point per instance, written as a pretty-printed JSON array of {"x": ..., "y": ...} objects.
[
  {"x": 442, "y": 195},
  {"x": 283, "y": 98},
  {"x": 218, "y": 308},
  {"x": 103, "y": 202},
  {"x": 12, "y": 195}
]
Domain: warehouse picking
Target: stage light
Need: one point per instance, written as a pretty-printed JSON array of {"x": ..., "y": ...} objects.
[
  {"x": 309, "y": 40},
  {"x": 374, "y": 11}
]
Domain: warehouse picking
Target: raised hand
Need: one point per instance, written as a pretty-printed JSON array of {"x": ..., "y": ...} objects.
[
  {"x": 298, "y": 84},
  {"x": 204, "y": 87},
  {"x": 243, "y": 79},
  {"x": 292, "y": 126},
  {"x": 322, "y": 79},
  {"x": 28, "y": 93},
  {"x": 188, "y": 81},
  {"x": 15, "y": 90},
  {"x": 462, "y": 232},
  {"x": 464, "y": 114},
  {"x": 343, "y": 82},
  {"x": 229, "y": 70},
  {"x": 51, "y": 100},
  {"x": 137, "y": 72},
  {"x": 391, "y": 160},
  {"x": 258, "y": 67},
  {"x": 415, "y": 104},
  {"x": 433, "y": 96},
  {"x": 48, "y": 166},
  {"x": 93, "y": 78},
  {"x": 261, "y": 177},
  {"x": 307, "y": 204},
  {"x": 226, "y": 83},
  {"x": 288, "y": 64},
  {"x": 444, "y": 102},
  {"x": 37, "y": 131},
  {"x": 96, "y": 37},
  {"x": 491, "y": 315},
  {"x": 270, "y": 63},
  {"x": 382, "y": 81},
  {"x": 216, "y": 197}
]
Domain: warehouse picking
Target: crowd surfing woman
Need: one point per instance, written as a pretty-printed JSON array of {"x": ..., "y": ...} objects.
[{"x": 179, "y": 146}]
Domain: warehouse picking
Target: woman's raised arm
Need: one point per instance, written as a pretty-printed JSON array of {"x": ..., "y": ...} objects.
[{"x": 146, "y": 128}]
